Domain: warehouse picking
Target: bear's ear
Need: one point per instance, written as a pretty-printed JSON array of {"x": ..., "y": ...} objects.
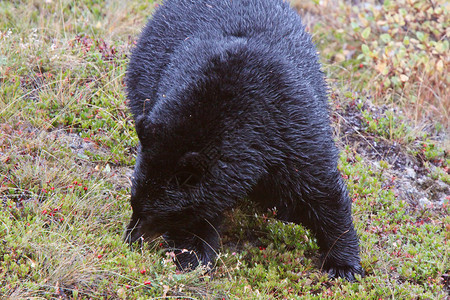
[
  {"x": 147, "y": 130},
  {"x": 142, "y": 127}
]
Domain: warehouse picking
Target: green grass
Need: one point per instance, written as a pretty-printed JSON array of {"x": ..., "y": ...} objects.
[{"x": 67, "y": 146}]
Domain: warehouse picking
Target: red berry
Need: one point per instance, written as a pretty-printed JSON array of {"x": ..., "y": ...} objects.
[
  {"x": 361, "y": 65},
  {"x": 143, "y": 271},
  {"x": 85, "y": 188},
  {"x": 148, "y": 282},
  {"x": 99, "y": 256},
  {"x": 127, "y": 286}
]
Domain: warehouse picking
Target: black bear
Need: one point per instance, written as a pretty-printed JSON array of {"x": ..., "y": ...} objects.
[{"x": 229, "y": 102}]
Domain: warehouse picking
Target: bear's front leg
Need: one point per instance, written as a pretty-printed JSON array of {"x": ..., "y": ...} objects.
[{"x": 195, "y": 245}]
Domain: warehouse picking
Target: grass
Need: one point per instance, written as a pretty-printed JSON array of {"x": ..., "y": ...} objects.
[{"x": 67, "y": 146}]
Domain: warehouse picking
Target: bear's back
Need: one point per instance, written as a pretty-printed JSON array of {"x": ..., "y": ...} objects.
[{"x": 269, "y": 22}]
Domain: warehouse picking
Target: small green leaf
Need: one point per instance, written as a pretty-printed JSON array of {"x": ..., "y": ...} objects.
[
  {"x": 83, "y": 156},
  {"x": 406, "y": 41},
  {"x": 348, "y": 94},
  {"x": 441, "y": 46},
  {"x": 384, "y": 164},
  {"x": 395, "y": 81},
  {"x": 366, "y": 32},
  {"x": 365, "y": 49},
  {"x": 385, "y": 37},
  {"x": 420, "y": 36}
]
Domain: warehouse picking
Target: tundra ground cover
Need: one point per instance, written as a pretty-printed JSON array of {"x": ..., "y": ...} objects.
[{"x": 67, "y": 147}]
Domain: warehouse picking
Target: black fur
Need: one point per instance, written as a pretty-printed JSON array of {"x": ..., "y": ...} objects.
[{"x": 229, "y": 102}]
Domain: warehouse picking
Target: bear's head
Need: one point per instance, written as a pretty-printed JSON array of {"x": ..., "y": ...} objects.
[{"x": 166, "y": 181}]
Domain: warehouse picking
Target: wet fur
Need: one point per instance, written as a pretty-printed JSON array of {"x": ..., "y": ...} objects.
[{"x": 229, "y": 102}]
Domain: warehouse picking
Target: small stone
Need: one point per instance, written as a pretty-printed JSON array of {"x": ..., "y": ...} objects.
[
  {"x": 425, "y": 203},
  {"x": 410, "y": 173},
  {"x": 442, "y": 186}
]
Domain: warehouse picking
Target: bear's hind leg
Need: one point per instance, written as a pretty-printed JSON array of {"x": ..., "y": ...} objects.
[{"x": 325, "y": 208}]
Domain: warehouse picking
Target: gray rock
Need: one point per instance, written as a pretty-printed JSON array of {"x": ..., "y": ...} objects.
[
  {"x": 410, "y": 173},
  {"x": 425, "y": 203}
]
